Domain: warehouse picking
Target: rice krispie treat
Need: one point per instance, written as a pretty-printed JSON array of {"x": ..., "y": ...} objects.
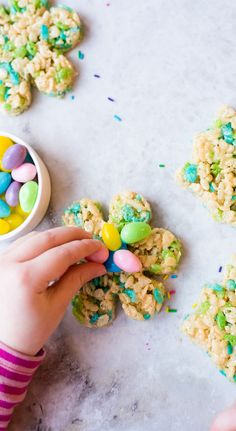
[
  {"x": 140, "y": 293},
  {"x": 141, "y": 297},
  {"x": 33, "y": 39},
  {"x": 159, "y": 253},
  {"x": 213, "y": 324},
  {"x": 127, "y": 207},
  {"x": 211, "y": 174},
  {"x": 86, "y": 214}
]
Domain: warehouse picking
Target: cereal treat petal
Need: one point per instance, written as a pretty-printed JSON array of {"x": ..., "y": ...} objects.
[
  {"x": 141, "y": 297},
  {"x": 4, "y": 15},
  {"x": 94, "y": 305},
  {"x": 213, "y": 324},
  {"x": 212, "y": 174},
  {"x": 64, "y": 29},
  {"x": 160, "y": 253},
  {"x": 86, "y": 214},
  {"x": 57, "y": 76},
  {"x": 129, "y": 207},
  {"x": 22, "y": 8},
  {"x": 15, "y": 94}
]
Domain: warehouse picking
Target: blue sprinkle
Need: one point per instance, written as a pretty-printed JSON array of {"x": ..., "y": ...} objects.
[
  {"x": 231, "y": 285},
  {"x": 96, "y": 76},
  {"x": 111, "y": 100},
  {"x": 227, "y": 132},
  {"x": 131, "y": 294},
  {"x": 211, "y": 187},
  {"x": 190, "y": 173},
  {"x": 220, "y": 269},
  {"x": 81, "y": 55},
  {"x": 117, "y": 118},
  {"x": 158, "y": 296},
  {"x": 234, "y": 198},
  {"x": 234, "y": 377},
  {"x": 44, "y": 32},
  {"x": 14, "y": 77},
  {"x": 216, "y": 287},
  {"x": 223, "y": 373},
  {"x": 94, "y": 318},
  {"x": 174, "y": 276},
  {"x": 72, "y": 97}
]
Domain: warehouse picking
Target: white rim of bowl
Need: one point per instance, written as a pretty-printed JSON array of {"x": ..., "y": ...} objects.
[{"x": 34, "y": 156}]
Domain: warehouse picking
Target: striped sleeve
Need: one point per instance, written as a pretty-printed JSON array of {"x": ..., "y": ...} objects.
[{"x": 16, "y": 372}]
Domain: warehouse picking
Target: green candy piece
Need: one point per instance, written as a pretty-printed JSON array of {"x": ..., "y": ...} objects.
[
  {"x": 28, "y": 195},
  {"x": 135, "y": 232},
  {"x": 231, "y": 339},
  {"x": 221, "y": 320}
]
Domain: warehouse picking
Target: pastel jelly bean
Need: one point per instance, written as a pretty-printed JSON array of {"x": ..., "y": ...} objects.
[
  {"x": 14, "y": 221},
  {"x": 135, "y": 231},
  {"x": 5, "y": 210},
  {"x": 99, "y": 256},
  {"x": 5, "y": 143},
  {"x": 4, "y": 227},
  {"x": 12, "y": 194},
  {"x": 28, "y": 195},
  {"x": 20, "y": 211},
  {"x": 111, "y": 236},
  {"x": 5, "y": 181},
  {"x": 127, "y": 261},
  {"x": 24, "y": 173},
  {"x": 14, "y": 156},
  {"x": 110, "y": 264}
]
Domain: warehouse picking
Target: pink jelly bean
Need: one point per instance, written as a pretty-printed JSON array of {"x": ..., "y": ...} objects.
[
  {"x": 127, "y": 261},
  {"x": 99, "y": 256},
  {"x": 24, "y": 173}
]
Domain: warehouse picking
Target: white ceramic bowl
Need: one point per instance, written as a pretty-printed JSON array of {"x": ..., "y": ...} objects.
[{"x": 44, "y": 193}]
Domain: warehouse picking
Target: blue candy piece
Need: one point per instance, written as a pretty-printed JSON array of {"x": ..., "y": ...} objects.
[
  {"x": 158, "y": 296},
  {"x": 5, "y": 181},
  {"x": 109, "y": 264},
  {"x": 231, "y": 285},
  {"x": 216, "y": 287},
  {"x": 44, "y": 32},
  {"x": 190, "y": 173},
  {"x": 131, "y": 294},
  {"x": 227, "y": 132},
  {"x": 5, "y": 210}
]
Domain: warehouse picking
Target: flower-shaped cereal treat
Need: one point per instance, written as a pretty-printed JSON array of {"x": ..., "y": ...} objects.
[
  {"x": 212, "y": 173},
  {"x": 137, "y": 255},
  {"x": 213, "y": 324},
  {"x": 33, "y": 39}
]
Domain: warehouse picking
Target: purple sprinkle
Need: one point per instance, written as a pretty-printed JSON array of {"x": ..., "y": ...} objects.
[
  {"x": 173, "y": 276},
  {"x": 117, "y": 118},
  {"x": 96, "y": 76},
  {"x": 220, "y": 268},
  {"x": 111, "y": 100}
]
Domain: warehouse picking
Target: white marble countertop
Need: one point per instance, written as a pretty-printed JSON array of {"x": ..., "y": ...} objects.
[{"x": 169, "y": 65}]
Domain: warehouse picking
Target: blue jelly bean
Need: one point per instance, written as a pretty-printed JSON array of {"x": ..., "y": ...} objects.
[
  {"x": 190, "y": 173},
  {"x": 109, "y": 264},
  {"x": 5, "y": 210},
  {"x": 5, "y": 181},
  {"x": 227, "y": 132}
]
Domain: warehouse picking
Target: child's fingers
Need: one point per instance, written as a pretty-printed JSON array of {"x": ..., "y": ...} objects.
[
  {"x": 19, "y": 242},
  {"x": 225, "y": 421},
  {"x": 38, "y": 244},
  {"x": 73, "y": 280},
  {"x": 52, "y": 264}
]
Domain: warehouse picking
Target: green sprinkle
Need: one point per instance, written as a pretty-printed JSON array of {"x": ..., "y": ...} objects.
[
  {"x": 231, "y": 285},
  {"x": 215, "y": 168},
  {"x": 231, "y": 339},
  {"x": 218, "y": 123},
  {"x": 80, "y": 55},
  {"x": 221, "y": 320},
  {"x": 155, "y": 268},
  {"x": 158, "y": 296},
  {"x": 229, "y": 349},
  {"x": 172, "y": 310},
  {"x": 204, "y": 307},
  {"x": 161, "y": 165},
  {"x": 146, "y": 316}
]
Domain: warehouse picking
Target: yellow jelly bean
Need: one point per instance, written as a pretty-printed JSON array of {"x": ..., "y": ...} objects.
[
  {"x": 4, "y": 227},
  {"x": 20, "y": 211},
  {"x": 5, "y": 143},
  {"x": 111, "y": 237},
  {"x": 14, "y": 220}
]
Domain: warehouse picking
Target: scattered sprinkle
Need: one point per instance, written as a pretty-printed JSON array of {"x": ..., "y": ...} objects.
[
  {"x": 165, "y": 277},
  {"x": 161, "y": 165},
  {"x": 174, "y": 276},
  {"x": 220, "y": 269},
  {"x": 223, "y": 373},
  {"x": 168, "y": 295},
  {"x": 111, "y": 100},
  {"x": 194, "y": 305},
  {"x": 81, "y": 55},
  {"x": 72, "y": 97},
  {"x": 171, "y": 310},
  {"x": 117, "y": 118},
  {"x": 172, "y": 292},
  {"x": 97, "y": 76}
]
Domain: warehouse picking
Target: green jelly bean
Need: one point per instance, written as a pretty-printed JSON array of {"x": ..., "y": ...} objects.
[
  {"x": 28, "y": 195},
  {"x": 135, "y": 231}
]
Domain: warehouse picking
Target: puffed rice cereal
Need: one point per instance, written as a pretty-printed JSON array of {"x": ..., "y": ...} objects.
[
  {"x": 212, "y": 173},
  {"x": 213, "y": 324}
]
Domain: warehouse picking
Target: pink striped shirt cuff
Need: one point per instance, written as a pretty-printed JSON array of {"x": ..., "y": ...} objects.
[{"x": 16, "y": 372}]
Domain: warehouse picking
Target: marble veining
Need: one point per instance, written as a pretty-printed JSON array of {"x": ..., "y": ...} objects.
[{"x": 169, "y": 66}]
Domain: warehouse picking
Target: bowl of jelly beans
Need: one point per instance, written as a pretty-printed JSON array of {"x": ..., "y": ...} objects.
[{"x": 25, "y": 187}]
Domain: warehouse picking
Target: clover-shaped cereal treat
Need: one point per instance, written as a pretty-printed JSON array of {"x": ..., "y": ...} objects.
[
  {"x": 130, "y": 238},
  {"x": 212, "y": 173},
  {"x": 213, "y": 323},
  {"x": 33, "y": 39}
]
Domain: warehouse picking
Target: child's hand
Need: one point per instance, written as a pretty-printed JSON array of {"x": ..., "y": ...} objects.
[
  {"x": 30, "y": 310},
  {"x": 225, "y": 421}
]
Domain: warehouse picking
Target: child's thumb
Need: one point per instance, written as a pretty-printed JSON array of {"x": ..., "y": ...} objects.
[{"x": 74, "y": 279}]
